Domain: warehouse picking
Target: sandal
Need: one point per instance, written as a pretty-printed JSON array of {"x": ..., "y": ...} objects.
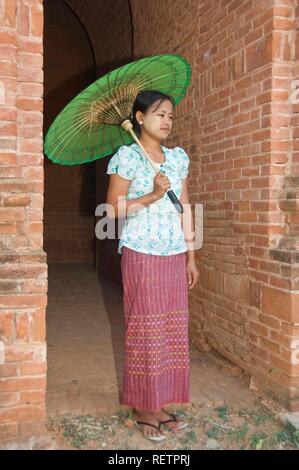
[
  {"x": 151, "y": 438},
  {"x": 182, "y": 425}
]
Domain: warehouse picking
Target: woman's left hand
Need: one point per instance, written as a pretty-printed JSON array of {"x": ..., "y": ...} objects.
[{"x": 192, "y": 273}]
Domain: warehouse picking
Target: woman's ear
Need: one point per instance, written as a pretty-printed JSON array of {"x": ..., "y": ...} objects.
[{"x": 139, "y": 116}]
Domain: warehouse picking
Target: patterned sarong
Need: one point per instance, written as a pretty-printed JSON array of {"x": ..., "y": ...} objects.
[{"x": 155, "y": 301}]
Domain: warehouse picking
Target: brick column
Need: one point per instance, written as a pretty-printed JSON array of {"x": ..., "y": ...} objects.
[
  {"x": 280, "y": 302},
  {"x": 23, "y": 268}
]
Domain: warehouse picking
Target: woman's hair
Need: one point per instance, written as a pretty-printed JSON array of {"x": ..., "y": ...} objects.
[{"x": 143, "y": 101}]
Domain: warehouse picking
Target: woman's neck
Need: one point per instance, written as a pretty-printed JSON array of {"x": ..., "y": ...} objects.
[{"x": 150, "y": 145}]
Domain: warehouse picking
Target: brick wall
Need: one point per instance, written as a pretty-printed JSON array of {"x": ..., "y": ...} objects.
[
  {"x": 23, "y": 268},
  {"x": 280, "y": 304},
  {"x": 235, "y": 125}
]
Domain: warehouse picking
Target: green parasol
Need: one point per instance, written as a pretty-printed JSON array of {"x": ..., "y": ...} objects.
[{"x": 97, "y": 121}]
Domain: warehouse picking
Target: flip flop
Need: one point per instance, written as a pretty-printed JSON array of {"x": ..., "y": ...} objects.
[
  {"x": 183, "y": 425},
  {"x": 151, "y": 438}
]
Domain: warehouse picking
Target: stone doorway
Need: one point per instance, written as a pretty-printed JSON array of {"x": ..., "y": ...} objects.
[{"x": 81, "y": 375}]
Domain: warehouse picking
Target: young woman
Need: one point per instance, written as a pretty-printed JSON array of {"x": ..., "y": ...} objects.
[{"x": 157, "y": 266}]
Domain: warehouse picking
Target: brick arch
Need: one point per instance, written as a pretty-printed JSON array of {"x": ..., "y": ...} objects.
[
  {"x": 69, "y": 189},
  {"x": 73, "y": 9},
  {"x": 109, "y": 27}
]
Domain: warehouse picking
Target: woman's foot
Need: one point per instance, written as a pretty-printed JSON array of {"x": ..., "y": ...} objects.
[
  {"x": 148, "y": 417},
  {"x": 173, "y": 424}
]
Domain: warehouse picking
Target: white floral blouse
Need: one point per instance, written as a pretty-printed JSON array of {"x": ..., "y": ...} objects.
[{"x": 156, "y": 229}]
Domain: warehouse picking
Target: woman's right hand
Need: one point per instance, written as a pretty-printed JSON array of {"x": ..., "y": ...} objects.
[{"x": 161, "y": 185}]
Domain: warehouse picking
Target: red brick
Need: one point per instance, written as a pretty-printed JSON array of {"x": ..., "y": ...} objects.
[
  {"x": 282, "y": 339},
  {"x": 28, "y": 45},
  {"x": 10, "y": 172},
  {"x": 31, "y": 118},
  {"x": 17, "y": 201},
  {"x": 30, "y": 104},
  {"x": 33, "y": 227},
  {"x": 8, "y": 431},
  {"x": 31, "y": 145},
  {"x": 33, "y": 173},
  {"x": 37, "y": 20},
  {"x": 8, "y": 229},
  {"x": 284, "y": 366},
  {"x": 30, "y": 89},
  {"x": 37, "y": 327},
  {"x": 33, "y": 397},
  {"x": 23, "y": 19},
  {"x": 258, "y": 329},
  {"x": 24, "y": 413},
  {"x": 8, "y": 158},
  {"x": 19, "y": 352},
  {"x": 22, "y": 326},
  {"x": 7, "y": 53},
  {"x": 8, "y": 69},
  {"x": 25, "y": 159},
  {"x": 289, "y": 329},
  {"x": 31, "y": 74},
  {"x": 269, "y": 345},
  {"x": 27, "y": 59},
  {"x": 23, "y": 300},
  {"x": 259, "y": 353},
  {"x": 280, "y": 304},
  {"x": 6, "y": 327},
  {"x": 8, "y": 399},
  {"x": 35, "y": 215},
  {"x": 30, "y": 132},
  {"x": 270, "y": 321},
  {"x": 7, "y": 37},
  {"x": 8, "y": 370},
  {"x": 11, "y": 215},
  {"x": 23, "y": 384},
  {"x": 33, "y": 368}
]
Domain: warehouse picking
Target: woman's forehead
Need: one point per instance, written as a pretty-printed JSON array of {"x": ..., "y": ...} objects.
[{"x": 163, "y": 106}]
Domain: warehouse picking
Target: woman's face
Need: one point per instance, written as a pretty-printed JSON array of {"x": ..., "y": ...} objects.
[{"x": 157, "y": 121}]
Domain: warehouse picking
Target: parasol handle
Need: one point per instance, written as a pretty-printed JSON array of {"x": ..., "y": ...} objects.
[{"x": 128, "y": 126}]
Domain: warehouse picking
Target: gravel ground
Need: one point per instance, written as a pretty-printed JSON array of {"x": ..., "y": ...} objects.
[{"x": 210, "y": 427}]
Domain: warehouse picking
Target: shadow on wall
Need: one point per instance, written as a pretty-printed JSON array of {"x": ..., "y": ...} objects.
[{"x": 69, "y": 67}]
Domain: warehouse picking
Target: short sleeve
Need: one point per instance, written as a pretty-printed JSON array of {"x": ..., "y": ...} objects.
[
  {"x": 123, "y": 163},
  {"x": 183, "y": 162}
]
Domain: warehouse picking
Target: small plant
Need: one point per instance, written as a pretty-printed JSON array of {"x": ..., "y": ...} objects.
[
  {"x": 239, "y": 433},
  {"x": 242, "y": 432},
  {"x": 213, "y": 433},
  {"x": 257, "y": 440},
  {"x": 188, "y": 439},
  {"x": 289, "y": 435},
  {"x": 223, "y": 412},
  {"x": 259, "y": 419}
]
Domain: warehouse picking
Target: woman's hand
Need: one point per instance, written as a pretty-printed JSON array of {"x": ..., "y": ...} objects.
[
  {"x": 192, "y": 273},
  {"x": 161, "y": 185}
]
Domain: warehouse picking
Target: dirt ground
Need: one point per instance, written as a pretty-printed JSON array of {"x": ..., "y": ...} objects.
[{"x": 210, "y": 427}]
